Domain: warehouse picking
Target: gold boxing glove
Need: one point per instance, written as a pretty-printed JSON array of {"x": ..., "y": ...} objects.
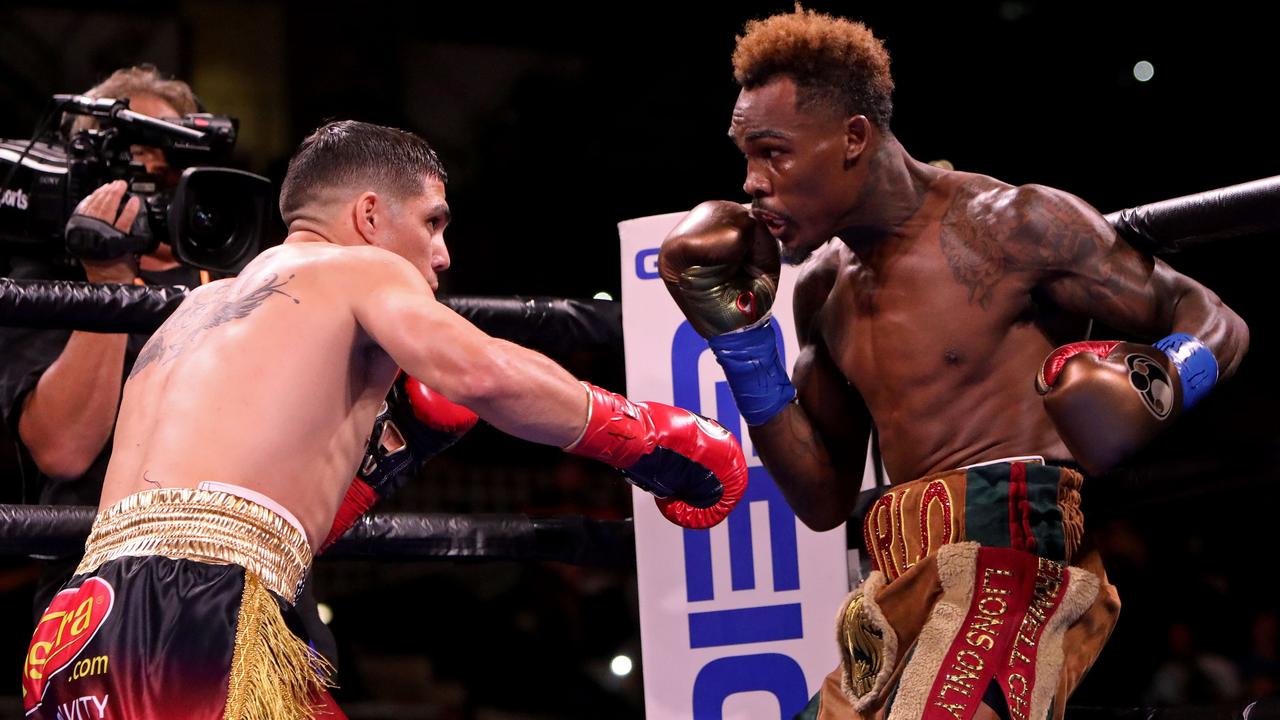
[{"x": 721, "y": 267}]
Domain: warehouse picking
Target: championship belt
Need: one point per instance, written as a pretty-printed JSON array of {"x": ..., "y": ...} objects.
[{"x": 1000, "y": 616}]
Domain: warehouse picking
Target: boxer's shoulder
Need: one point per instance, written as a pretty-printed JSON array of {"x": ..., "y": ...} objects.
[
  {"x": 817, "y": 276},
  {"x": 351, "y": 267},
  {"x": 971, "y": 197},
  {"x": 1018, "y": 227},
  {"x": 1051, "y": 230},
  {"x": 1015, "y": 211}
]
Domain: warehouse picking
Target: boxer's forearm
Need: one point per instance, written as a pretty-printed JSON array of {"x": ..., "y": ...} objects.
[
  {"x": 1199, "y": 312},
  {"x": 522, "y": 393},
  {"x": 799, "y": 462},
  {"x": 512, "y": 388}
]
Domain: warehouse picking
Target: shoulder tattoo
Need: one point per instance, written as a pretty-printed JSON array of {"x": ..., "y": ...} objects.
[{"x": 192, "y": 319}]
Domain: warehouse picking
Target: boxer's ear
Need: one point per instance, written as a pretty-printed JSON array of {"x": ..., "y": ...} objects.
[
  {"x": 368, "y": 215},
  {"x": 857, "y": 133}
]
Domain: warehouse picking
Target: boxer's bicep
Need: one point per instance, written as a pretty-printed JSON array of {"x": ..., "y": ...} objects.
[
  {"x": 518, "y": 391},
  {"x": 1137, "y": 294},
  {"x": 431, "y": 342},
  {"x": 1086, "y": 268}
]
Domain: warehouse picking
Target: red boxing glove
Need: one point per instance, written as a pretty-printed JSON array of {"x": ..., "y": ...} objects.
[
  {"x": 1052, "y": 367},
  {"x": 415, "y": 424},
  {"x": 693, "y": 465},
  {"x": 437, "y": 414}
]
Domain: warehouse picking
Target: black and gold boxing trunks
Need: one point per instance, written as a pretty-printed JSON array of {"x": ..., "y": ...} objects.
[
  {"x": 982, "y": 592},
  {"x": 182, "y": 607}
]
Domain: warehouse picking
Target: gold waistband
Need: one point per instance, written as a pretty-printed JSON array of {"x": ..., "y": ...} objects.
[{"x": 205, "y": 526}]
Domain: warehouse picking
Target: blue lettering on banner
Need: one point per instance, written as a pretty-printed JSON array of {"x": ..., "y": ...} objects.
[
  {"x": 697, "y": 565},
  {"x": 745, "y": 625},
  {"x": 773, "y": 673},
  {"x": 722, "y": 677},
  {"x": 647, "y": 264},
  {"x": 783, "y": 551}
]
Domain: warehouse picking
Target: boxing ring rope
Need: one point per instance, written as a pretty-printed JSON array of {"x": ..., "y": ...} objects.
[
  {"x": 551, "y": 325},
  {"x": 61, "y": 530},
  {"x": 558, "y": 324},
  {"x": 1251, "y": 208}
]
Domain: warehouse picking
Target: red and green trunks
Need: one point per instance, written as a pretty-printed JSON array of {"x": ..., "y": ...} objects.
[{"x": 980, "y": 593}]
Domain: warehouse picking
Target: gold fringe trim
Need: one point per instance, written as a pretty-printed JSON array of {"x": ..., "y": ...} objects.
[
  {"x": 1069, "y": 483},
  {"x": 274, "y": 675}
]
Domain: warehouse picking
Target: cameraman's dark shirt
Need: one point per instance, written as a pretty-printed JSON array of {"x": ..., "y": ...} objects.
[{"x": 25, "y": 353}]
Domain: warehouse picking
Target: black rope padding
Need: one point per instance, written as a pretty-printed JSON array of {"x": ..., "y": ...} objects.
[
  {"x": 572, "y": 539},
  {"x": 49, "y": 530},
  {"x": 44, "y": 529},
  {"x": 550, "y": 324},
  {"x": 1251, "y": 208},
  {"x": 97, "y": 307},
  {"x": 558, "y": 325}
]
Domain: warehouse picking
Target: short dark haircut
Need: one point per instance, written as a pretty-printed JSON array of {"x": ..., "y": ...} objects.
[
  {"x": 348, "y": 154},
  {"x": 834, "y": 62}
]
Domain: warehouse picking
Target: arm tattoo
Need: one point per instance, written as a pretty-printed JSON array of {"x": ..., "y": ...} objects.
[
  {"x": 971, "y": 249},
  {"x": 986, "y": 236},
  {"x": 190, "y": 321}
]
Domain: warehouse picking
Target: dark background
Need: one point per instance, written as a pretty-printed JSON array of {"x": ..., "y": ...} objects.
[{"x": 557, "y": 121}]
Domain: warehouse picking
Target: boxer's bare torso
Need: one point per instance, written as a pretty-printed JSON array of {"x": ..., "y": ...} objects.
[
  {"x": 266, "y": 381},
  {"x": 938, "y": 325}
]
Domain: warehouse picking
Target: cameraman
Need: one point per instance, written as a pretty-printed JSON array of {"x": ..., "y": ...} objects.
[{"x": 59, "y": 389}]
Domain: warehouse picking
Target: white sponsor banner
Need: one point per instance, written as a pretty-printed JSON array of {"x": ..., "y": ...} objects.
[{"x": 737, "y": 621}]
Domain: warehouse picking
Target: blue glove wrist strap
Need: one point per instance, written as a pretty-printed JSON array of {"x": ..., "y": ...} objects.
[
  {"x": 753, "y": 367},
  {"x": 1197, "y": 367}
]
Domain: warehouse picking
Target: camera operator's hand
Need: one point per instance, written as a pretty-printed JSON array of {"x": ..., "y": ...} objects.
[{"x": 103, "y": 204}]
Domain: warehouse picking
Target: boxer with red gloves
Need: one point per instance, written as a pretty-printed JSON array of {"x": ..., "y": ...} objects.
[
  {"x": 926, "y": 301},
  {"x": 218, "y": 495}
]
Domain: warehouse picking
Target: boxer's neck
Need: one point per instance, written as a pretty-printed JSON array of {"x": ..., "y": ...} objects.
[{"x": 893, "y": 187}]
